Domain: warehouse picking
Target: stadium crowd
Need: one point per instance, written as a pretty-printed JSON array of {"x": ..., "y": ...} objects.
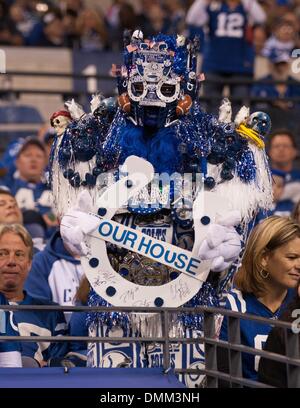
[
  {"x": 37, "y": 268},
  {"x": 84, "y": 24}
]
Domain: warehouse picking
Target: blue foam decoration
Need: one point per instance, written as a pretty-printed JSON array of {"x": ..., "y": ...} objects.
[
  {"x": 158, "y": 302},
  {"x": 111, "y": 291},
  {"x": 102, "y": 212},
  {"x": 94, "y": 262},
  {"x": 205, "y": 220}
]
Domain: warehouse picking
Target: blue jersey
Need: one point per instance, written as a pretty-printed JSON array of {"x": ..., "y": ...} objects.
[
  {"x": 7, "y": 328},
  {"x": 55, "y": 274},
  {"x": 253, "y": 334},
  {"x": 227, "y": 50},
  {"x": 30, "y": 196},
  {"x": 282, "y": 208},
  {"x": 293, "y": 175},
  {"x": 41, "y": 323}
]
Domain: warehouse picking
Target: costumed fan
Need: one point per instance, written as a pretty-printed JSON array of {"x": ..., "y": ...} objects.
[{"x": 164, "y": 195}]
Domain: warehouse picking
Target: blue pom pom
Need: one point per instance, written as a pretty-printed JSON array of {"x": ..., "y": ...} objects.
[{"x": 246, "y": 167}]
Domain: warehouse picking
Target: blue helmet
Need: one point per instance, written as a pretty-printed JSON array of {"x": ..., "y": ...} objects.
[{"x": 260, "y": 122}]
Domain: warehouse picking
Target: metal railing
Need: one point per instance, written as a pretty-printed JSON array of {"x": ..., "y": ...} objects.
[
  {"x": 209, "y": 339},
  {"x": 101, "y": 77}
]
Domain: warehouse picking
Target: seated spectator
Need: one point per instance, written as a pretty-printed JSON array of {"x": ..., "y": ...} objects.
[
  {"x": 49, "y": 32},
  {"x": 10, "y": 213},
  {"x": 282, "y": 41},
  {"x": 16, "y": 252},
  {"x": 264, "y": 285},
  {"x": 55, "y": 273},
  {"x": 273, "y": 372},
  {"x": 283, "y": 151},
  {"x": 22, "y": 18},
  {"x": 279, "y": 71},
  {"x": 281, "y": 207},
  {"x": 28, "y": 185},
  {"x": 9, "y": 34},
  {"x": 10, "y": 355}
]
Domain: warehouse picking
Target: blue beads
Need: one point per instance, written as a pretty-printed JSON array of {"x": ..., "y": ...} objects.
[
  {"x": 205, "y": 220},
  {"x": 97, "y": 171},
  {"x": 94, "y": 262},
  {"x": 68, "y": 173},
  {"x": 226, "y": 174},
  {"x": 102, "y": 212},
  {"x": 99, "y": 162},
  {"x": 158, "y": 302},
  {"x": 111, "y": 291},
  {"x": 66, "y": 153},
  {"x": 209, "y": 182},
  {"x": 90, "y": 179},
  {"x": 75, "y": 180},
  {"x": 229, "y": 163},
  {"x": 215, "y": 158}
]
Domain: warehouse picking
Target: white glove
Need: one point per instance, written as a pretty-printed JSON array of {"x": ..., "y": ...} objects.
[
  {"x": 225, "y": 111},
  {"x": 96, "y": 101},
  {"x": 75, "y": 109},
  {"x": 222, "y": 244},
  {"x": 78, "y": 222}
]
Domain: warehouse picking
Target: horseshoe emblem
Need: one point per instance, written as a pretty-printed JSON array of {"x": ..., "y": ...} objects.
[{"x": 109, "y": 284}]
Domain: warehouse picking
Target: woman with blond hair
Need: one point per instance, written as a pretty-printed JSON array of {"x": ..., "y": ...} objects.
[{"x": 264, "y": 284}]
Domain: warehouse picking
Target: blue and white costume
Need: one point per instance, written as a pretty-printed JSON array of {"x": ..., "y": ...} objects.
[{"x": 160, "y": 121}]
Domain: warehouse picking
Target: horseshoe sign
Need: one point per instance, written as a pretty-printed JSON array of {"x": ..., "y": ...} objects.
[{"x": 118, "y": 291}]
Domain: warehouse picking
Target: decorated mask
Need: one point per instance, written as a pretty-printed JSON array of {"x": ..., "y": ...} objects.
[{"x": 158, "y": 82}]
